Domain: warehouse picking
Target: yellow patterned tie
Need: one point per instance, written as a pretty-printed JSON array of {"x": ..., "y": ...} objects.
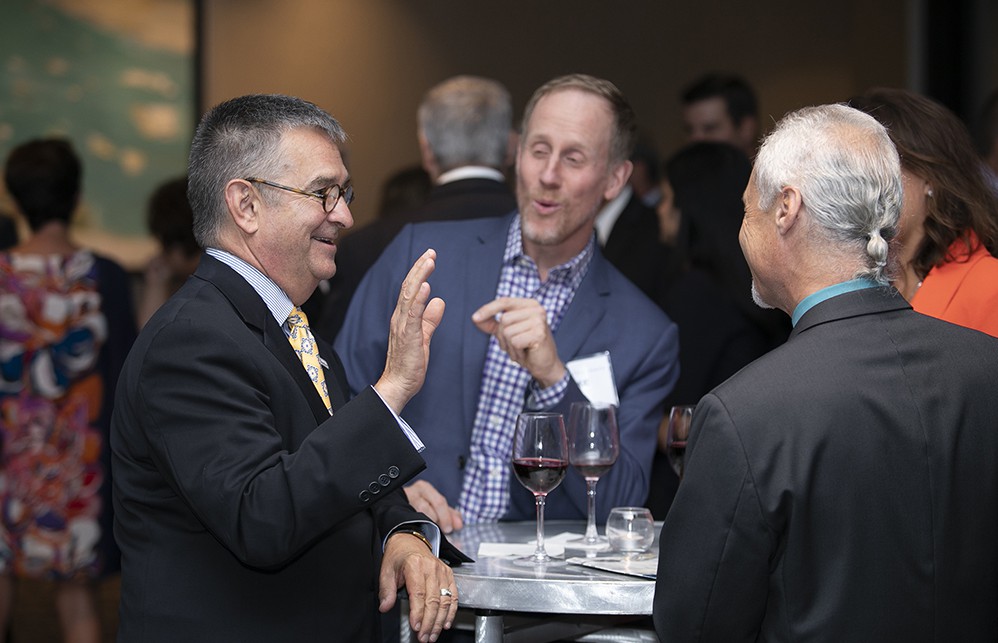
[{"x": 304, "y": 344}]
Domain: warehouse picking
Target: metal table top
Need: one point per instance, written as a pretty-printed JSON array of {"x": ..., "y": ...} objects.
[{"x": 498, "y": 584}]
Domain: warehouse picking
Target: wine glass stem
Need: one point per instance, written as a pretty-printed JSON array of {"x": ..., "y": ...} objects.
[
  {"x": 591, "y": 534},
  {"x": 539, "y": 553}
]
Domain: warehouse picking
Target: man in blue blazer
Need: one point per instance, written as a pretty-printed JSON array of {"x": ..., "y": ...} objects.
[
  {"x": 253, "y": 501},
  {"x": 526, "y": 295},
  {"x": 843, "y": 486}
]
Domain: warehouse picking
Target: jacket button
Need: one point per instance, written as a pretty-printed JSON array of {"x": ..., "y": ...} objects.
[
  {"x": 460, "y": 462},
  {"x": 364, "y": 496},
  {"x": 374, "y": 487},
  {"x": 393, "y": 472},
  {"x": 384, "y": 480}
]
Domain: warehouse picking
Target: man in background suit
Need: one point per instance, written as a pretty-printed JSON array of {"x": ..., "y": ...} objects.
[
  {"x": 843, "y": 486},
  {"x": 627, "y": 231},
  {"x": 721, "y": 108},
  {"x": 466, "y": 141},
  {"x": 252, "y": 501},
  {"x": 528, "y": 294}
]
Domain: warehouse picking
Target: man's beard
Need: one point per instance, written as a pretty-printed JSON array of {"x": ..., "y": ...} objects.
[{"x": 757, "y": 298}]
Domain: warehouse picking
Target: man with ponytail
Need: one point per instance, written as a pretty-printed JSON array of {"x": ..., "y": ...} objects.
[{"x": 842, "y": 487}]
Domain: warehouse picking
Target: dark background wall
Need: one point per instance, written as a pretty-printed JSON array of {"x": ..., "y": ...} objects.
[{"x": 370, "y": 62}]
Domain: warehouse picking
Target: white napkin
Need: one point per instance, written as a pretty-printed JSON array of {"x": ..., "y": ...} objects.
[{"x": 554, "y": 545}]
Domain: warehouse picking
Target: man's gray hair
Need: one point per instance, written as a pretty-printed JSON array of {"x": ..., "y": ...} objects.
[
  {"x": 241, "y": 138},
  {"x": 467, "y": 120},
  {"x": 848, "y": 173}
]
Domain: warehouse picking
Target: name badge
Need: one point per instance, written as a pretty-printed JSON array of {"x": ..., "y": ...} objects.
[{"x": 594, "y": 376}]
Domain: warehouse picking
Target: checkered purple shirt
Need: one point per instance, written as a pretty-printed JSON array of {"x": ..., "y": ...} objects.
[{"x": 505, "y": 384}]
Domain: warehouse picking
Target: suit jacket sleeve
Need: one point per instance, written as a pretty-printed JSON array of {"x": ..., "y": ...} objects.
[
  {"x": 715, "y": 547},
  {"x": 245, "y": 457}
]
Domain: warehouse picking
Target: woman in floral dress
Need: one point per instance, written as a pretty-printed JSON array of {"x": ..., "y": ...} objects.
[{"x": 66, "y": 324}]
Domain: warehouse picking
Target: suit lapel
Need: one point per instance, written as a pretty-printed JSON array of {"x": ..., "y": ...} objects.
[
  {"x": 483, "y": 263},
  {"x": 586, "y": 310},
  {"x": 257, "y": 317}
]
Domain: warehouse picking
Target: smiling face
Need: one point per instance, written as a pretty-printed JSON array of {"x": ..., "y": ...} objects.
[
  {"x": 295, "y": 240},
  {"x": 564, "y": 173}
]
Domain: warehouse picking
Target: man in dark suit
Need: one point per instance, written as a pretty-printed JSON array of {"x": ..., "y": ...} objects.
[
  {"x": 627, "y": 231},
  {"x": 253, "y": 502},
  {"x": 466, "y": 141},
  {"x": 529, "y": 293},
  {"x": 843, "y": 486}
]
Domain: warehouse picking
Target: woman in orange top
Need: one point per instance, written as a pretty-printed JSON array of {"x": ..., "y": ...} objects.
[{"x": 948, "y": 231}]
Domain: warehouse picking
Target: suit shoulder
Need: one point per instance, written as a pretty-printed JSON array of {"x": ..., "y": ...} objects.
[{"x": 623, "y": 290}]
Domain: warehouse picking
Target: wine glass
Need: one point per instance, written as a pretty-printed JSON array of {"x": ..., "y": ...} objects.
[
  {"x": 540, "y": 460},
  {"x": 680, "y": 419},
  {"x": 593, "y": 447}
]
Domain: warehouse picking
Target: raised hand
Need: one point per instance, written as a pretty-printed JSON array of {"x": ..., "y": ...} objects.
[{"x": 412, "y": 325}]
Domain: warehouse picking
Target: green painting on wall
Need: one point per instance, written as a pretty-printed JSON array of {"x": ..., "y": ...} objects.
[{"x": 115, "y": 77}]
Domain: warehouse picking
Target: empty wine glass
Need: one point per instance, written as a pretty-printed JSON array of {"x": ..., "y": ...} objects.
[
  {"x": 540, "y": 460},
  {"x": 680, "y": 419},
  {"x": 593, "y": 447}
]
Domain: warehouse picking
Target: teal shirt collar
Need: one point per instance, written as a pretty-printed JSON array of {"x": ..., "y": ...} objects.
[{"x": 816, "y": 298}]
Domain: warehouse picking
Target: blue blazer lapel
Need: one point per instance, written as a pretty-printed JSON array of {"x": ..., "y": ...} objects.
[
  {"x": 483, "y": 263},
  {"x": 586, "y": 310}
]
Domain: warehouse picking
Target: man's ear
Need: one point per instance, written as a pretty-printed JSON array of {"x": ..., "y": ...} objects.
[
  {"x": 243, "y": 204},
  {"x": 788, "y": 210},
  {"x": 617, "y": 180}
]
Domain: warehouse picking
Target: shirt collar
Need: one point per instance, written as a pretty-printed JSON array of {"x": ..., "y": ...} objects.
[
  {"x": 567, "y": 272},
  {"x": 819, "y": 296},
  {"x": 608, "y": 216},
  {"x": 277, "y": 300},
  {"x": 470, "y": 172}
]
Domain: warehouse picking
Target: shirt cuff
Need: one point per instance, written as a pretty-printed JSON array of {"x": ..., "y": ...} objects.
[
  {"x": 409, "y": 432},
  {"x": 538, "y": 398},
  {"x": 429, "y": 529}
]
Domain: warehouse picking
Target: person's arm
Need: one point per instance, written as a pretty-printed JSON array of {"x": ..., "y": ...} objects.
[
  {"x": 220, "y": 416},
  {"x": 715, "y": 548},
  {"x": 216, "y": 439}
]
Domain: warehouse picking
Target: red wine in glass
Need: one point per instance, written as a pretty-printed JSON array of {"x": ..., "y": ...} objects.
[
  {"x": 680, "y": 420},
  {"x": 539, "y": 475},
  {"x": 540, "y": 460}
]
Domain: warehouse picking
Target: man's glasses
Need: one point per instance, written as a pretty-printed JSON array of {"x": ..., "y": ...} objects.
[{"x": 329, "y": 197}]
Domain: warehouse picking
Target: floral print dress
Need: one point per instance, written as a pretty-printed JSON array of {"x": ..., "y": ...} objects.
[{"x": 53, "y": 330}]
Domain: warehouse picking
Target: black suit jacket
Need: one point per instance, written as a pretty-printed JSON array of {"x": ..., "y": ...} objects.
[
  {"x": 244, "y": 512},
  {"x": 633, "y": 247},
  {"x": 463, "y": 199},
  {"x": 841, "y": 488}
]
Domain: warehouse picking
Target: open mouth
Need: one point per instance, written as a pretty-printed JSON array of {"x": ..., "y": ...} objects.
[
  {"x": 545, "y": 207},
  {"x": 329, "y": 241}
]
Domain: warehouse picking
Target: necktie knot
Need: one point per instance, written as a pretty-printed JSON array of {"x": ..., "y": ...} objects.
[{"x": 303, "y": 343}]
